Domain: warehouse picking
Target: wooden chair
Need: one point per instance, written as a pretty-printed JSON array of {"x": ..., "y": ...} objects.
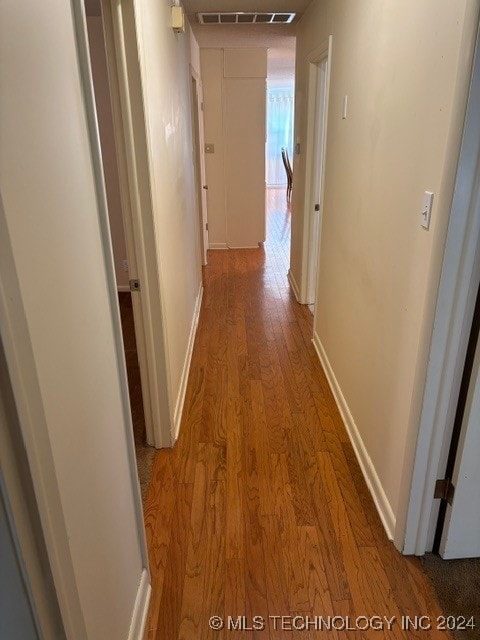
[{"x": 288, "y": 171}]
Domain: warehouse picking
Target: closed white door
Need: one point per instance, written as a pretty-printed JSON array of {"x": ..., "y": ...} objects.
[
  {"x": 203, "y": 173},
  {"x": 461, "y": 531},
  {"x": 199, "y": 165},
  {"x": 245, "y": 130},
  {"x": 320, "y": 79}
]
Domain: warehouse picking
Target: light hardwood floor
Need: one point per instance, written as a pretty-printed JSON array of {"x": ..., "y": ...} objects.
[{"x": 261, "y": 508}]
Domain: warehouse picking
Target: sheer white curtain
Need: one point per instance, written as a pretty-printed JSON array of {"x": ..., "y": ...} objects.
[{"x": 280, "y": 104}]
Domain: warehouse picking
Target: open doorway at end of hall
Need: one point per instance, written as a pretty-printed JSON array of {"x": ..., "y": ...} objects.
[
  {"x": 103, "y": 102},
  {"x": 280, "y": 147}
]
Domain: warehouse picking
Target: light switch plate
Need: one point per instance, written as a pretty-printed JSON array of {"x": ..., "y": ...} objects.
[{"x": 427, "y": 209}]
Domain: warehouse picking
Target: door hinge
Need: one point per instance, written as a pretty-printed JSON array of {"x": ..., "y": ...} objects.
[
  {"x": 206, "y": 226},
  {"x": 201, "y": 106},
  {"x": 134, "y": 285},
  {"x": 444, "y": 490},
  {"x": 317, "y": 207}
]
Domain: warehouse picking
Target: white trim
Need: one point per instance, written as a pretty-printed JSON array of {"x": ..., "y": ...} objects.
[
  {"x": 22, "y": 370},
  {"x": 293, "y": 284},
  {"x": 380, "y": 499},
  {"x": 255, "y": 246},
  {"x": 16, "y": 486},
  {"x": 123, "y": 288},
  {"x": 218, "y": 245},
  {"x": 177, "y": 416},
  {"x": 453, "y": 317},
  {"x": 127, "y": 187},
  {"x": 124, "y": 55},
  {"x": 83, "y": 53},
  {"x": 140, "y": 609}
]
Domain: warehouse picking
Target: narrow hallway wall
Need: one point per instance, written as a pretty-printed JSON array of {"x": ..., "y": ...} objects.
[{"x": 405, "y": 69}]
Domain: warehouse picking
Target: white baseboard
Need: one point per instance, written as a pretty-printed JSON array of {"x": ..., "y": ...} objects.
[
  {"x": 177, "y": 415},
  {"x": 254, "y": 246},
  {"x": 223, "y": 245},
  {"x": 380, "y": 499},
  {"x": 140, "y": 609},
  {"x": 294, "y": 285},
  {"x": 123, "y": 288}
]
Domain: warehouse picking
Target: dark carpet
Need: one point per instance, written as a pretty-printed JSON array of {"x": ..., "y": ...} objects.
[{"x": 457, "y": 584}]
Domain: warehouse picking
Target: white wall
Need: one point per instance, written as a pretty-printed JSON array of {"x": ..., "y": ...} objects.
[
  {"x": 234, "y": 92},
  {"x": 405, "y": 68},
  {"x": 109, "y": 155},
  {"x": 65, "y": 282},
  {"x": 165, "y": 59}
]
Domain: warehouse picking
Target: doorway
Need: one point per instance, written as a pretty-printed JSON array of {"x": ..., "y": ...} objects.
[
  {"x": 318, "y": 89},
  {"x": 123, "y": 254},
  {"x": 457, "y": 532},
  {"x": 454, "y": 565},
  {"x": 279, "y": 145},
  {"x": 449, "y": 352}
]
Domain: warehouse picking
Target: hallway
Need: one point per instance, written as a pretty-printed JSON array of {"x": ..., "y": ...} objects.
[{"x": 261, "y": 508}]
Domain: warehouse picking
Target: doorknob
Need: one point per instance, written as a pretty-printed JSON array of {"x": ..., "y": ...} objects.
[{"x": 205, "y": 186}]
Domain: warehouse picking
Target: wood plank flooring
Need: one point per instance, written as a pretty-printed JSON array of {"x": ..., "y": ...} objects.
[{"x": 261, "y": 508}]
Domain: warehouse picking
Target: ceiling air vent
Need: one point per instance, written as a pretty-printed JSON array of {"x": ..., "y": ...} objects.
[{"x": 245, "y": 18}]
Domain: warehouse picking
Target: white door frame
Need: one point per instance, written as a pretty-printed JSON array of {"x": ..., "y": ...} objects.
[
  {"x": 35, "y": 437},
  {"x": 25, "y": 384},
  {"x": 453, "y": 317},
  {"x": 91, "y": 112},
  {"x": 120, "y": 31},
  {"x": 199, "y": 161},
  {"x": 311, "y": 220},
  {"x": 16, "y": 478}
]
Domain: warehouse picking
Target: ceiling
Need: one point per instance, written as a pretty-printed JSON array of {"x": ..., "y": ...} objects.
[
  {"x": 265, "y": 6},
  {"x": 278, "y": 39},
  {"x": 194, "y": 6}
]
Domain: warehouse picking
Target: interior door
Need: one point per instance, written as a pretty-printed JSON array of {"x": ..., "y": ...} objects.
[
  {"x": 461, "y": 531},
  {"x": 320, "y": 124},
  {"x": 203, "y": 173},
  {"x": 119, "y": 23},
  {"x": 199, "y": 164},
  {"x": 245, "y": 117}
]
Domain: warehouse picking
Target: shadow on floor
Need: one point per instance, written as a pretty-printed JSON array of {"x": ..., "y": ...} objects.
[{"x": 144, "y": 453}]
